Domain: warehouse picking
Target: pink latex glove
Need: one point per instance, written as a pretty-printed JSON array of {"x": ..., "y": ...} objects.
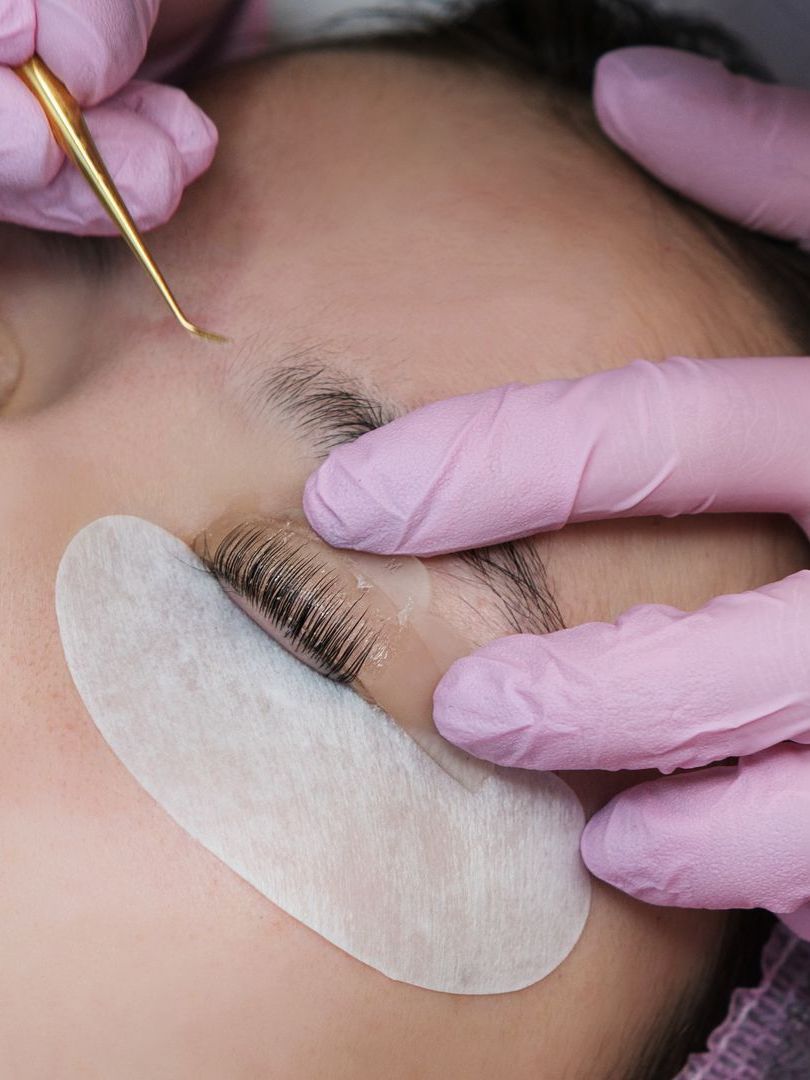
[
  {"x": 658, "y": 688},
  {"x": 153, "y": 138}
]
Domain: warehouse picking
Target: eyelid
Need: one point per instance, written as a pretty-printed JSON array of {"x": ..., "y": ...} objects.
[{"x": 403, "y": 647}]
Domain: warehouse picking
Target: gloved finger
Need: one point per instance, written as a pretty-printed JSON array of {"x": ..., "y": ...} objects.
[
  {"x": 659, "y": 688},
  {"x": 155, "y": 142},
  {"x": 29, "y": 156},
  {"x": 94, "y": 46},
  {"x": 169, "y": 109},
  {"x": 680, "y": 437},
  {"x": 726, "y": 837},
  {"x": 18, "y": 30},
  {"x": 739, "y": 146}
]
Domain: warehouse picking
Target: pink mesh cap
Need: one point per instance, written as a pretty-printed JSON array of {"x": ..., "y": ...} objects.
[{"x": 766, "y": 1035}]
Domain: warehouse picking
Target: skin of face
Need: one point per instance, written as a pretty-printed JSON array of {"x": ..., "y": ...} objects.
[{"x": 428, "y": 231}]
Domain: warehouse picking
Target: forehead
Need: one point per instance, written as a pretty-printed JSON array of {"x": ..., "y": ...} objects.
[{"x": 445, "y": 225}]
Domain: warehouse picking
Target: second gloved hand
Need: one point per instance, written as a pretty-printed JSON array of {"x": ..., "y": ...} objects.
[
  {"x": 659, "y": 688},
  {"x": 155, "y": 140}
]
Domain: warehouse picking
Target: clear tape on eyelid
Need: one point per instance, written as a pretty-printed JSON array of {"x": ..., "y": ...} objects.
[
  {"x": 306, "y": 791},
  {"x": 413, "y": 646}
]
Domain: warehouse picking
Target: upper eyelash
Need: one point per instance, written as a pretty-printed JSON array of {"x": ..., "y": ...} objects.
[{"x": 292, "y": 591}]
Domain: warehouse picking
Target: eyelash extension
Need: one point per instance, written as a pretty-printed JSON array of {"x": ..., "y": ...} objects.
[{"x": 302, "y": 600}]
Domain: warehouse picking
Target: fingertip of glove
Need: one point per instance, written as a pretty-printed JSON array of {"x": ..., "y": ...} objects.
[
  {"x": 29, "y": 156},
  {"x": 479, "y": 706},
  {"x": 616, "y": 78},
  {"x": 632, "y": 85},
  {"x": 613, "y": 850},
  {"x": 18, "y": 26},
  {"x": 348, "y": 512},
  {"x": 593, "y": 844},
  {"x": 320, "y": 511},
  {"x": 629, "y": 845},
  {"x": 197, "y": 142},
  {"x": 152, "y": 187},
  {"x": 176, "y": 116}
]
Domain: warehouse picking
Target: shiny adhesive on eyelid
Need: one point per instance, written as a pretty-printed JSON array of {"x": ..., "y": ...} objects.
[
  {"x": 413, "y": 646},
  {"x": 307, "y": 792}
]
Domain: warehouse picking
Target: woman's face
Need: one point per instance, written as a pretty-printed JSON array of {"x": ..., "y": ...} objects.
[{"x": 414, "y": 231}]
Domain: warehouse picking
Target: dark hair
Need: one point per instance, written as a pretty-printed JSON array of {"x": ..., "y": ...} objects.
[{"x": 737, "y": 963}]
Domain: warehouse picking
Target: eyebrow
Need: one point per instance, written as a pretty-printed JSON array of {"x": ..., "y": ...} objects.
[{"x": 328, "y": 408}]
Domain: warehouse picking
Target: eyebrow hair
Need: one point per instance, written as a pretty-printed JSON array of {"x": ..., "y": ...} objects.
[{"x": 329, "y": 408}]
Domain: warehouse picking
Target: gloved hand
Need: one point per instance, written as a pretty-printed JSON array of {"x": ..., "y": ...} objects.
[
  {"x": 153, "y": 138},
  {"x": 658, "y": 688}
]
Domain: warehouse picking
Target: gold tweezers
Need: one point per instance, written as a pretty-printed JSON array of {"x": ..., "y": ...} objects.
[{"x": 71, "y": 133}]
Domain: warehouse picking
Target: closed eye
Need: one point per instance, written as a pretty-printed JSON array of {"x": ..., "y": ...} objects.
[{"x": 298, "y": 594}]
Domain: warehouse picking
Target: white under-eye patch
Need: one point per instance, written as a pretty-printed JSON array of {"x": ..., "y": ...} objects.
[{"x": 313, "y": 796}]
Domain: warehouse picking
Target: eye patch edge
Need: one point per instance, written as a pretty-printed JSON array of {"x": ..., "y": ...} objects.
[{"x": 308, "y": 793}]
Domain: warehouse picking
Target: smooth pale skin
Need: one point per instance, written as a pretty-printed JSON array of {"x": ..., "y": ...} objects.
[{"x": 431, "y": 251}]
